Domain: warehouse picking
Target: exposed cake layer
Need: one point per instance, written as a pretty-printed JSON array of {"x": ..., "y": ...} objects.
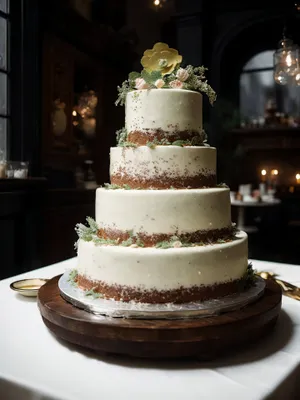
[
  {"x": 163, "y": 167},
  {"x": 142, "y": 138},
  {"x": 171, "y": 212},
  {"x": 168, "y": 240},
  {"x": 125, "y": 293},
  {"x": 163, "y": 113},
  {"x": 163, "y": 275}
]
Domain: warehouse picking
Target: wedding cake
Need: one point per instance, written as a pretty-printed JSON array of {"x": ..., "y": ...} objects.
[{"x": 163, "y": 230}]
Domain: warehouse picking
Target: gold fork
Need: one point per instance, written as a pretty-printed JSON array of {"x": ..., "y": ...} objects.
[{"x": 288, "y": 289}]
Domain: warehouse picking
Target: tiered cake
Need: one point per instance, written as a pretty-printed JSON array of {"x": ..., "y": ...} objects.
[{"x": 163, "y": 230}]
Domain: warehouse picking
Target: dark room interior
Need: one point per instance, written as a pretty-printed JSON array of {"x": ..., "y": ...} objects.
[
  {"x": 59, "y": 53},
  {"x": 149, "y": 199}
]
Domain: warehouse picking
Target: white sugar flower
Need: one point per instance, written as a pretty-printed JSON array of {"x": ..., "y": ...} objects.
[{"x": 182, "y": 74}]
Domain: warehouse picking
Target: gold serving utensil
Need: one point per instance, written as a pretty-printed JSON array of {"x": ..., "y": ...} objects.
[
  {"x": 292, "y": 294},
  {"x": 288, "y": 289}
]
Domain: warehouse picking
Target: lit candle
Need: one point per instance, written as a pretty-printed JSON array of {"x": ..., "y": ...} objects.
[
  {"x": 263, "y": 173},
  {"x": 274, "y": 175},
  {"x": 298, "y": 178}
]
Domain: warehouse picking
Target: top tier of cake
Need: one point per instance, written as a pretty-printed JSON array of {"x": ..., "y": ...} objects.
[
  {"x": 163, "y": 116},
  {"x": 165, "y": 142}
]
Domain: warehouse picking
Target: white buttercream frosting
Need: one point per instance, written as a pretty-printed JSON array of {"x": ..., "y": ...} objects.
[
  {"x": 164, "y": 269},
  {"x": 166, "y": 109},
  {"x": 163, "y": 211},
  {"x": 174, "y": 161}
]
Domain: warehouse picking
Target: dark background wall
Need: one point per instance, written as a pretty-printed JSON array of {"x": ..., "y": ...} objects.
[{"x": 107, "y": 41}]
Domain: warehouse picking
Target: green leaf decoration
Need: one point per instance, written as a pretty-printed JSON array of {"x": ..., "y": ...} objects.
[
  {"x": 121, "y": 135},
  {"x": 180, "y": 143},
  {"x": 127, "y": 144},
  {"x": 122, "y": 93},
  {"x": 127, "y": 242},
  {"x": 249, "y": 276},
  {"x": 163, "y": 245},
  {"x": 222, "y": 185},
  {"x": 93, "y": 294},
  {"x": 113, "y": 186},
  {"x": 87, "y": 233},
  {"x": 90, "y": 233},
  {"x": 196, "y": 81},
  {"x": 152, "y": 145},
  {"x": 127, "y": 86},
  {"x": 139, "y": 242},
  {"x": 73, "y": 277},
  {"x": 134, "y": 75},
  {"x": 151, "y": 77},
  {"x": 146, "y": 76},
  {"x": 154, "y": 75},
  {"x": 92, "y": 224},
  {"x": 106, "y": 242}
]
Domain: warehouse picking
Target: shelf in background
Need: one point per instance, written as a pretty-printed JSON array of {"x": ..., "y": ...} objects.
[
  {"x": 8, "y": 185},
  {"x": 266, "y": 138}
]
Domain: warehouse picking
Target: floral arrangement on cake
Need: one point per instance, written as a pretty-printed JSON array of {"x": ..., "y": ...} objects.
[{"x": 162, "y": 70}]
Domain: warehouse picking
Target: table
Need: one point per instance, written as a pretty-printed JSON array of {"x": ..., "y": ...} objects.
[
  {"x": 241, "y": 212},
  {"x": 35, "y": 365}
]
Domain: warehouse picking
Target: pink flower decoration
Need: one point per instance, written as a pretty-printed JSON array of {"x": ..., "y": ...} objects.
[
  {"x": 176, "y": 84},
  {"x": 159, "y": 83},
  {"x": 140, "y": 84},
  {"x": 182, "y": 74}
]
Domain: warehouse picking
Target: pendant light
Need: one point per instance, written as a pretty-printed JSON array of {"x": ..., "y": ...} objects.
[{"x": 286, "y": 61}]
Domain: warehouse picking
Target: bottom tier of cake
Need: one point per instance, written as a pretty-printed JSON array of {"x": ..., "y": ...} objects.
[{"x": 152, "y": 275}]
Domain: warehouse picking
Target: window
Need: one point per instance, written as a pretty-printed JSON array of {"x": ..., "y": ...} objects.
[
  {"x": 257, "y": 87},
  {"x": 4, "y": 77}
]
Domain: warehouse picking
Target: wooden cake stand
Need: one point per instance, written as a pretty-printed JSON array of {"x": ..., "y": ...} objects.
[{"x": 202, "y": 338}]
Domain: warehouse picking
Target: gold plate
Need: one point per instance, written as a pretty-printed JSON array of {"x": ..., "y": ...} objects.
[{"x": 28, "y": 287}]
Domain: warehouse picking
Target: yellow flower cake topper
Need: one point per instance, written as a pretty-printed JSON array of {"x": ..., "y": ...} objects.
[
  {"x": 161, "y": 58},
  {"x": 162, "y": 70}
]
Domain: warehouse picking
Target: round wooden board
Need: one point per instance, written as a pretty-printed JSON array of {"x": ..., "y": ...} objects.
[{"x": 203, "y": 338}]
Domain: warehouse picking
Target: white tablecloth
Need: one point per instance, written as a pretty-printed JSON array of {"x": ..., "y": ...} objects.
[{"x": 35, "y": 365}]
